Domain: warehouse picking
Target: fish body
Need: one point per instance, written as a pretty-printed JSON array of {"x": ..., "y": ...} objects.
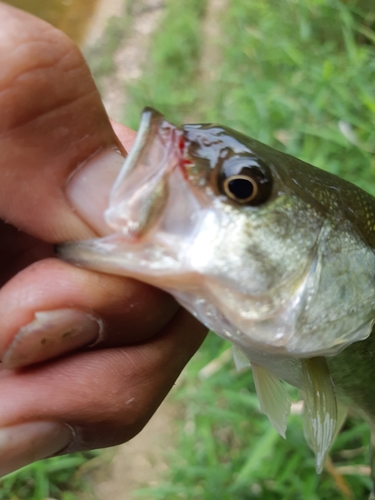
[{"x": 267, "y": 251}]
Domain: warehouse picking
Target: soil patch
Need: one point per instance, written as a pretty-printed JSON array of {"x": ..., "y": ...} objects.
[{"x": 137, "y": 464}]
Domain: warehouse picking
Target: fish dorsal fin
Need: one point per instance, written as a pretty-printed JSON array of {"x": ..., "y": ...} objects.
[
  {"x": 241, "y": 361},
  {"x": 320, "y": 408},
  {"x": 273, "y": 398}
]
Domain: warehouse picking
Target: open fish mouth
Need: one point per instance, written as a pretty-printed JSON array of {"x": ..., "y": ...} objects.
[
  {"x": 141, "y": 191},
  {"x": 153, "y": 211}
]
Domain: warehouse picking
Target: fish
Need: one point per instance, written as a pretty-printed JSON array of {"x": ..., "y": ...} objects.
[{"x": 267, "y": 251}]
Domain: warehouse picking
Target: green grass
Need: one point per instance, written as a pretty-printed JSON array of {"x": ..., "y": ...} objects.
[
  {"x": 60, "y": 478},
  {"x": 297, "y": 75},
  {"x": 300, "y": 71}
]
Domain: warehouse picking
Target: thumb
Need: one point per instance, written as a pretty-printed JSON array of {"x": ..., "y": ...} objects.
[{"x": 53, "y": 121}]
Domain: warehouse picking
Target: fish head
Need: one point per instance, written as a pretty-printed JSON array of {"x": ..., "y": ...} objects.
[{"x": 223, "y": 223}]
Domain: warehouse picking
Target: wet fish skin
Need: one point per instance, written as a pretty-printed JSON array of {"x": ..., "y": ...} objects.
[
  {"x": 288, "y": 279},
  {"x": 336, "y": 199},
  {"x": 307, "y": 196}
]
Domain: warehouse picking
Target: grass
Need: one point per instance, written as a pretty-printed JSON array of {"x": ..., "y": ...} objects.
[{"x": 60, "y": 478}]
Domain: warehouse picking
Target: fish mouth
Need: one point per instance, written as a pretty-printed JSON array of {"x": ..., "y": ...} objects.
[
  {"x": 153, "y": 211},
  {"x": 140, "y": 193}
]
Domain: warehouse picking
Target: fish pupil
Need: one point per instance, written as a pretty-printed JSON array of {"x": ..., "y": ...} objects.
[
  {"x": 245, "y": 180},
  {"x": 242, "y": 189}
]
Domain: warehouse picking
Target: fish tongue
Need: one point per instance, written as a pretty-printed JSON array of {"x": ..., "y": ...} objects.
[{"x": 320, "y": 412}]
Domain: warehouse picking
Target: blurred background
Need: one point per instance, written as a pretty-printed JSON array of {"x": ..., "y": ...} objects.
[{"x": 298, "y": 75}]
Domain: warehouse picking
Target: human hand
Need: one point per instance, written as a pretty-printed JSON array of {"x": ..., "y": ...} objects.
[{"x": 86, "y": 357}]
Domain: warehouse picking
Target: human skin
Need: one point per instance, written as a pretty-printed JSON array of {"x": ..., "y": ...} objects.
[{"x": 86, "y": 357}]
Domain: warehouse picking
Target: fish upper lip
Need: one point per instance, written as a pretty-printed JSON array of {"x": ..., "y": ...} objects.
[
  {"x": 172, "y": 135},
  {"x": 169, "y": 133}
]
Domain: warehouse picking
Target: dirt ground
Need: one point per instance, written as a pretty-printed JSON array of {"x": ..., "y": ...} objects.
[
  {"x": 131, "y": 56},
  {"x": 139, "y": 463}
]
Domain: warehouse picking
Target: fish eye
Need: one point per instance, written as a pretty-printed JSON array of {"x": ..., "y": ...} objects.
[
  {"x": 240, "y": 188},
  {"x": 245, "y": 180}
]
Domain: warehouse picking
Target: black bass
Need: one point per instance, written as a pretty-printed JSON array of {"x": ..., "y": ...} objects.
[{"x": 267, "y": 251}]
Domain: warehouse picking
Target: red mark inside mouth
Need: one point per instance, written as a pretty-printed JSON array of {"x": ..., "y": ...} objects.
[
  {"x": 176, "y": 143},
  {"x": 184, "y": 161}
]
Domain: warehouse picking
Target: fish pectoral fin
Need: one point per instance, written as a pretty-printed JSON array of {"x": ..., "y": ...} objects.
[
  {"x": 240, "y": 359},
  {"x": 320, "y": 412},
  {"x": 273, "y": 398}
]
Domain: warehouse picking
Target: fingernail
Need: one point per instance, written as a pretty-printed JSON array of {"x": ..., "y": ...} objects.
[
  {"x": 23, "y": 444},
  {"x": 51, "y": 334},
  {"x": 89, "y": 187}
]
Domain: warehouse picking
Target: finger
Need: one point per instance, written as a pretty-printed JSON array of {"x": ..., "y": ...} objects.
[
  {"x": 124, "y": 134},
  {"x": 39, "y": 320},
  {"x": 52, "y": 121},
  {"x": 18, "y": 250},
  {"x": 125, "y": 388}
]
